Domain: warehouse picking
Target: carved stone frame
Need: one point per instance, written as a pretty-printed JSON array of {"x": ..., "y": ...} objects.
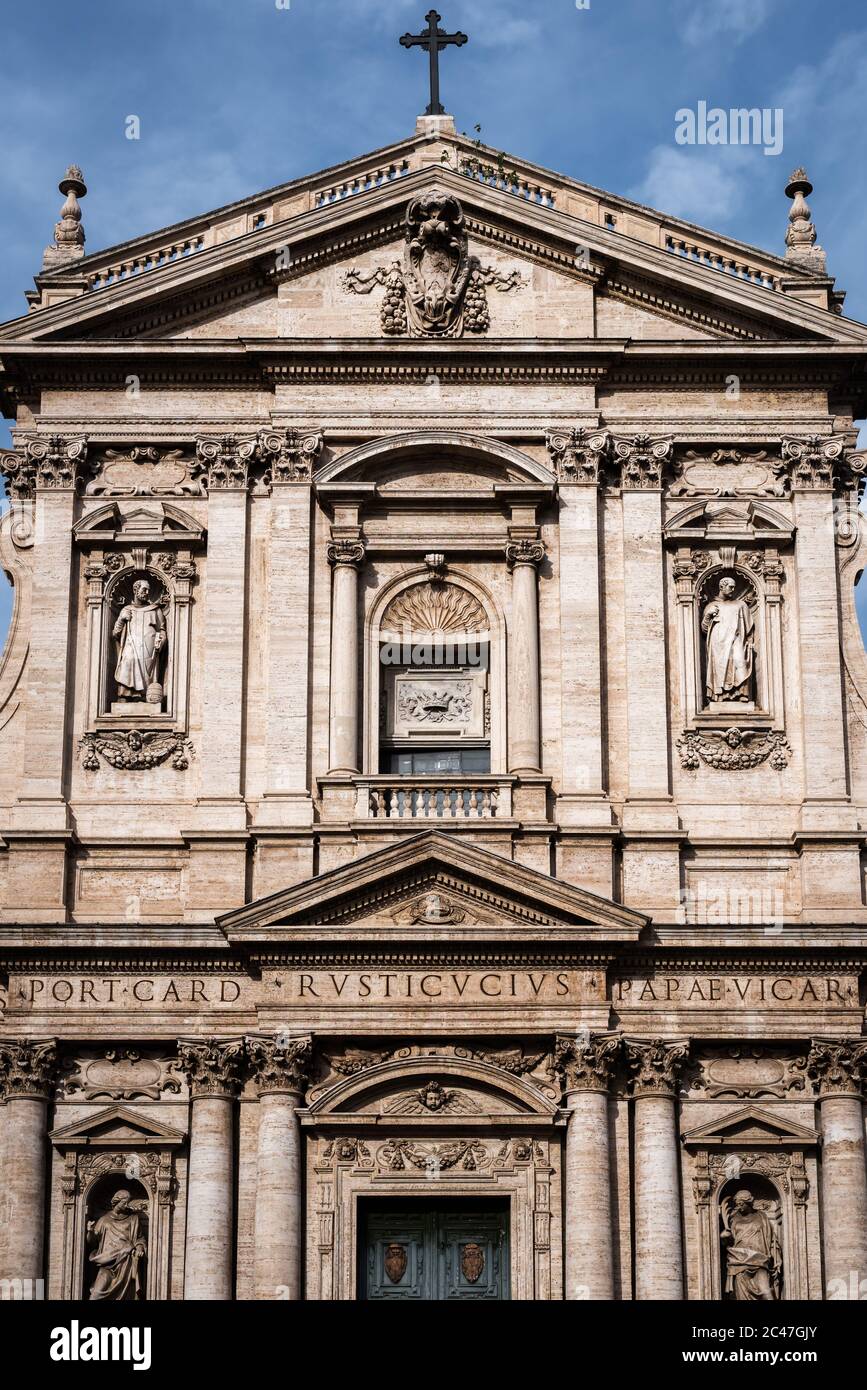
[
  {"x": 160, "y": 542},
  {"x": 90, "y": 1151},
  {"x": 373, "y": 685},
  {"x": 350, "y": 1157},
  {"x": 704, "y": 549},
  {"x": 766, "y": 1148}
]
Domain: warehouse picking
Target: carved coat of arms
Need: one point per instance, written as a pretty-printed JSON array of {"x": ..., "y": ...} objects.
[
  {"x": 395, "y": 1261},
  {"x": 472, "y": 1261},
  {"x": 438, "y": 290}
]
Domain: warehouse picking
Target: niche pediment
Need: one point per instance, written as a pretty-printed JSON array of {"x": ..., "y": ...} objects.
[
  {"x": 751, "y": 1127},
  {"x": 729, "y": 520},
  {"x": 116, "y": 1126},
  {"x": 156, "y": 523}
]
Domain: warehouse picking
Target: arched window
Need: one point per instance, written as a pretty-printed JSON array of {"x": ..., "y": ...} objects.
[
  {"x": 434, "y": 656},
  {"x": 434, "y": 678}
]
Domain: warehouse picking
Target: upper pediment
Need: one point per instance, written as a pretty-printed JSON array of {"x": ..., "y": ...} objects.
[
  {"x": 543, "y": 257},
  {"x": 432, "y": 887}
]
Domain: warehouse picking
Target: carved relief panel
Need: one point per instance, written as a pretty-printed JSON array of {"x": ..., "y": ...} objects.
[{"x": 140, "y": 571}]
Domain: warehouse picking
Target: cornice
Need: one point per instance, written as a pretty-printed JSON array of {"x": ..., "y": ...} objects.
[{"x": 245, "y": 363}]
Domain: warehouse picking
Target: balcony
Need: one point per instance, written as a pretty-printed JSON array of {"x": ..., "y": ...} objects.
[{"x": 471, "y": 797}]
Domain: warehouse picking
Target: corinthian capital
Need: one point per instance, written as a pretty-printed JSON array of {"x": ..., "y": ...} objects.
[
  {"x": 290, "y": 456},
  {"x": 224, "y": 463},
  {"x": 212, "y": 1064},
  {"x": 19, "y": 471},
  {"x": 578, "y": 455},
  {"x": 585, "y": 1065},
  {"x": 815, "y": 461},
  {"x": 642, "y": 460},
  {"x": 837, "y": 1066},
  {"x": 655, "y": 1065},
  {"x": 280, "y": 1062},
  {"x": 59, "y": 463},
  {"x": 27, "y": 1069}
]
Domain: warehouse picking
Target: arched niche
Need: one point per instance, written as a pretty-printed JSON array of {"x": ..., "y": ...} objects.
[
  {"x": 122, "y": 545},
  {"x": 432, "y": 1128},
  {"x": 775, "y": 1160},
  {"x": 124, "y": 1200},
  {"x": 767, "y": 1199},
  {"x": 747, "y": 590},
  {"x": 757, "y": 576},
  {"x": 470, "y": 666},
  {"x": 119, "y": 595}
]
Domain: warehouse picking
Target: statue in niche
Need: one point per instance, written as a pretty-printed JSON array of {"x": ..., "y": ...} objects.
[
  {"x": 119, "y": 1237},
  {"x": 141, "y": 632},
  {"x": 729, "y": 629},
  {"x": 752, "y": 1246}
]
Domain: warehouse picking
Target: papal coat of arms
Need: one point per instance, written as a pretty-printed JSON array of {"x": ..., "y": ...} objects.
[{"x": 438, "y": 290}]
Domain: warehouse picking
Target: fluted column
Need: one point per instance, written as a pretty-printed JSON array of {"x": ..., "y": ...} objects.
[
  {"x": 585, "y": 1069},
  {"x": 213, "y": 1067},
  {"x": 27, "y": 1071},
  {"x": 656, "y": 1176},
  {"x": 838, "y": 1069},
  {"x": 280, "y": 1066},
  {"x": 345, "y": 557},
  {"x": 523, "y": 557}
]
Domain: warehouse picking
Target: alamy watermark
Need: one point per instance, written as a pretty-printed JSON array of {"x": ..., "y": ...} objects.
[{"x": 738, "y": 126}]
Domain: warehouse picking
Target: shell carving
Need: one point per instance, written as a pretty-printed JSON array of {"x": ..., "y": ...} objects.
[{"x": 433, "y": 608}]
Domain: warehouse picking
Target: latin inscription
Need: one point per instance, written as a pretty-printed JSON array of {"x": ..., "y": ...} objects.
[
  {"x": 310, "y": 987},
  {"x": 732, "y": 991}
]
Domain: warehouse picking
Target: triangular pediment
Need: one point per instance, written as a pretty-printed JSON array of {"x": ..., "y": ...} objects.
[
  {"x": 217, "y": 276},
  {"x": 116, "y": 1125},
  {"x": 158, "y": 521},
  {"x": 433, "y": 886},
  {"x": 750, "y": 1126}
]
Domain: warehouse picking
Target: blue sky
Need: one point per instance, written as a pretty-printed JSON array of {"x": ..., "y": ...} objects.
[{"x": 233, "y": 96}]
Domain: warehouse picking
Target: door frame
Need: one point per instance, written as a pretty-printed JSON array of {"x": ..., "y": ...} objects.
[{"x": 505, "y": 1142}]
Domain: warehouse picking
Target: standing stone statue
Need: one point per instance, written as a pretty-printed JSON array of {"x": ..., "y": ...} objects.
[
  {"x": 119, "y": 1237},
  {"x": 729, "y": 629},
  {"x": 141, "y": 628},
  {"x": 751, "y": 1240}
]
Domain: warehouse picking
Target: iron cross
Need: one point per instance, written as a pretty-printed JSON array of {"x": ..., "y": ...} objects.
[{"x": 433, "y": 40}]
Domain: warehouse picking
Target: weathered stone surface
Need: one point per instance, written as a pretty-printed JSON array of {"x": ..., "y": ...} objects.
[{"x": 431, "y": 859}]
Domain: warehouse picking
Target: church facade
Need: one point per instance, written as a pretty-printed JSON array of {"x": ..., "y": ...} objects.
[{"x": 433, "y": 752}]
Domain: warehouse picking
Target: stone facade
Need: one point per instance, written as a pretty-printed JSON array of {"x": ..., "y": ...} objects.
[{"x": 433, "y": 752}]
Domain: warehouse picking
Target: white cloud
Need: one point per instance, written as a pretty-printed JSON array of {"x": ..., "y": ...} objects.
[
  {"x": 701, "y": 185},
  {"x": 735, "y": 20}
]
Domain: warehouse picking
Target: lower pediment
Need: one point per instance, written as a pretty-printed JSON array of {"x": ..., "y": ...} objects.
[{"x": 432, "y": 887}]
